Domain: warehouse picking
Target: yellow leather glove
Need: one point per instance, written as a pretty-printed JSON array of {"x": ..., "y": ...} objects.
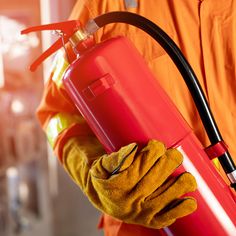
[{"x": 132, "y": 186}]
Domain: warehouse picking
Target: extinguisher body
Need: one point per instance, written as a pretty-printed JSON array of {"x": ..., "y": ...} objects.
[{"x": 119, "y": 97}]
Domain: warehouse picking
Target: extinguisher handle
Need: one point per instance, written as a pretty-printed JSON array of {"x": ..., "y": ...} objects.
[{"x": 66, "y": 29}]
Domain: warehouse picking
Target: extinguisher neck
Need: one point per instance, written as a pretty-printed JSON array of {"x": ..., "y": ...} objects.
[
  {"x": 77, "y": 37},
  {"x": 81, "y": 41}
]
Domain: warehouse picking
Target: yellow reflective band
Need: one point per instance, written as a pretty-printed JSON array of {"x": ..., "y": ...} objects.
[
  {"x": 216, "y": 163},
  {"x": 59, "y": 67},
  {"x": 59, "y": 123}
]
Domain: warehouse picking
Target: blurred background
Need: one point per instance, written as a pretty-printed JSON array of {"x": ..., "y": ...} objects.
[{"x": 36, "y": 195}]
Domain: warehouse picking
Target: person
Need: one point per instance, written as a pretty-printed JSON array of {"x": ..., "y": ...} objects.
[{"x": 205, "y": 32}]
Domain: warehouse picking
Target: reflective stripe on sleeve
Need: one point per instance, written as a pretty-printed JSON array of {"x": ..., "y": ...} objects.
[
  {"x": 59, "y": 67},
  {"x": 58, "y": 123},
  {"x": 131, "y": 4},
  {"x": 216, "y": 163}
]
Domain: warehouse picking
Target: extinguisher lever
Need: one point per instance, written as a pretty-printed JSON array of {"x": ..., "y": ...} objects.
[
  {"x": 66, "y": 28},
  {"x": 56, "y": 46}
]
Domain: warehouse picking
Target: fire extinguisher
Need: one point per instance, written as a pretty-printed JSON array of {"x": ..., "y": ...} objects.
[{"x": 112, "y": 74}]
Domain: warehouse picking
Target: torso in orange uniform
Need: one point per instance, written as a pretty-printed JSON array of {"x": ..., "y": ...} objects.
[{"x": 205, "y": 31}]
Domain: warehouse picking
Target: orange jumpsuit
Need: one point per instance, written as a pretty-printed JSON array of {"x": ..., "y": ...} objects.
[{"x": 205, "y": 31}]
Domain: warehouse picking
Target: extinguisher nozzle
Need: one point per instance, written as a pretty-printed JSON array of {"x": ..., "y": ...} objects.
[{"x": 233, "y": 185}]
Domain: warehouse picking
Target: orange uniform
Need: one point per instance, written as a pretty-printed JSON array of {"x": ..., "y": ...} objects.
[{"x": 205, "y": 31}]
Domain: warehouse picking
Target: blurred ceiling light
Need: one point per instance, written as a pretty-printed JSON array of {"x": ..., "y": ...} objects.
[
  {"x": 17, "y": 106},
  {"x": 12, "y": 185},
  {"x": 12, "y": 172},
  {"x": 13, "y": 43},
  {"x": 24, "y": 191}
]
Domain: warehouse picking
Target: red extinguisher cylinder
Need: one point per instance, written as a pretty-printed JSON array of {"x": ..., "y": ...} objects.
[{"x": 119, "y": 97}]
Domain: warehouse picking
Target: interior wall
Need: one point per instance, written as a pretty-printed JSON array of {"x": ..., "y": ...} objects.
[{"x": 73, "y": 213}]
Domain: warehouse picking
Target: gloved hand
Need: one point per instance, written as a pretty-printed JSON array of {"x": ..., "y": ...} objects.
[{"x": 132, "y": 186}]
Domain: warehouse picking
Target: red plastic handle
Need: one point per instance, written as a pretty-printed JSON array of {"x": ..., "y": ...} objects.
[{"x": 67, "y": 27}]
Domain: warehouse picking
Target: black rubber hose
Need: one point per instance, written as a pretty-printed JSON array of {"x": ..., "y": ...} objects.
[{"x": 183, "y": 66}]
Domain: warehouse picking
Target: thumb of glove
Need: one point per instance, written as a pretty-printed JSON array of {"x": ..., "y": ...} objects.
[{"x": 114, "y": 163}]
